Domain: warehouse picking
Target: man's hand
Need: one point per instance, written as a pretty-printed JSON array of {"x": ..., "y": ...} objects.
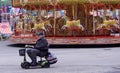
[
  {"x": 29, "y": 46},
  {"x": 26, "y": 46}
]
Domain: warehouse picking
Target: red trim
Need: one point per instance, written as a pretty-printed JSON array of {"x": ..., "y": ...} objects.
[{"x": 69, "y": 37}]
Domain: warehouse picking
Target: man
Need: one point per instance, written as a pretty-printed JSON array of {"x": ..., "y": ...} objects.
[
  {"x": 39, "y": 49},
  {"x": 1, "y": 36}
]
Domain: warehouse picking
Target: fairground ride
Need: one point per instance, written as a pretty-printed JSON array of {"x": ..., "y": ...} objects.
[{"x": 69, "y": 21}]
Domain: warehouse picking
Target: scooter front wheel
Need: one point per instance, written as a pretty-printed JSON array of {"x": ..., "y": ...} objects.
[{"x": 45, "y": 64}]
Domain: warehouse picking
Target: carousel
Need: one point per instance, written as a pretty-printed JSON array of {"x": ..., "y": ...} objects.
[{"x": 68, "y": 21}]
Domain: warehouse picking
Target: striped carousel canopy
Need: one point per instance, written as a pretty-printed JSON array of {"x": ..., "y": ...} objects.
[{"x": 35, "y": 2}]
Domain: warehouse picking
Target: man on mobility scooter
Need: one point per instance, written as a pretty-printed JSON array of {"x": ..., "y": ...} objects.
[{"x": 41, "y": 49}]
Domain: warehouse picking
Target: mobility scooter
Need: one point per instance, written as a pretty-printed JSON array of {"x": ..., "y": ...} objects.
[{"x": 48, "y": 60}]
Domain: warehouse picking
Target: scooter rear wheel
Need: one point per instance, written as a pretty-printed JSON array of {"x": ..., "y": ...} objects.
[{"x": 25, "y": 65}]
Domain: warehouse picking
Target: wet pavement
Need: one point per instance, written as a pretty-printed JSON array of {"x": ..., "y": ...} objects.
[{"x": 80, "y": 60}]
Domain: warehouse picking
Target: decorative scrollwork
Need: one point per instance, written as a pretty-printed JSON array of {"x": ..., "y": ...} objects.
[
  {"x": 93, "y": 1},
  {"x": 53, "y": 2}
]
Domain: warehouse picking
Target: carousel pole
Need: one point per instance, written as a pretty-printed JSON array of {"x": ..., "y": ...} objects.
[
  {"x": 39, "y": 13},
  {"x": 119, "y": 19},
  {"x": 23, "y": 20},
  {"x": 93, "y": 21},
  {"x": 73, "y": 12},
  {"x": 93, "y": 2},
  {"x": 86, "y": 16},
  {"x": 54, "y": 13},
  {"x": 54, "y": 3}
]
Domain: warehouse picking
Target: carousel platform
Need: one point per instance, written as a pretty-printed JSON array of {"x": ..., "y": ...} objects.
[
  {"x": 97, "y": 40},
  {"x": 94, "y": 40}
]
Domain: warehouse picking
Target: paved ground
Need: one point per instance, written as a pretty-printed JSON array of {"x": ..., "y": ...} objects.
[{"x": 83, "y": 60}]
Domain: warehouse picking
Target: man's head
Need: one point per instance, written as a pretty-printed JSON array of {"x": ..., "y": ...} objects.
[{"x": 40, "y": 34}]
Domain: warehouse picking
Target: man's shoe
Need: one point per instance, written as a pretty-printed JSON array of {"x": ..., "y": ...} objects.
[{"x": 33, "y": 63}]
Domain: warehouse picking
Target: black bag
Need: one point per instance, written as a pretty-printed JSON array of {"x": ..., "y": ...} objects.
[{"x": 22, "y": 52}]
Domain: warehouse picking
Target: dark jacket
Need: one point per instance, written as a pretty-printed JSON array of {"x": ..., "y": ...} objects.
[{"x": 42, "y": 45}]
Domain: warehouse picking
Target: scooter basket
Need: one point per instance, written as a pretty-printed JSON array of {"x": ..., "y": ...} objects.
[{"x": 22, "y": 52}]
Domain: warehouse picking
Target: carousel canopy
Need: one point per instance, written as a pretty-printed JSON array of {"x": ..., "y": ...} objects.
[{"x": 38, "y": 2}]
